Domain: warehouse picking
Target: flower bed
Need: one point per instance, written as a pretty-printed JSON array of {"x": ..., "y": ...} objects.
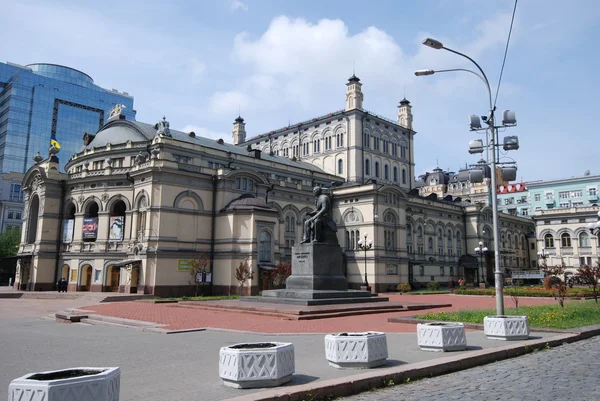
[{"x": 529, "y": 292}]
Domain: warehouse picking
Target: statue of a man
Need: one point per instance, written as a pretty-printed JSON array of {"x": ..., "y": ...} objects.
[{"x": 320, "y": 219}]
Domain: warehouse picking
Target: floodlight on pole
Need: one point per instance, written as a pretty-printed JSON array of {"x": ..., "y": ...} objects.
[
  {"x": 434, "y": 44},
  {"x": 420, "y": 73}
]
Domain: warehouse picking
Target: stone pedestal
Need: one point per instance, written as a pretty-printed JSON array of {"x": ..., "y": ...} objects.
[
  {"x": 317, "y": 279},
  {"x": 317, "y": 266}
]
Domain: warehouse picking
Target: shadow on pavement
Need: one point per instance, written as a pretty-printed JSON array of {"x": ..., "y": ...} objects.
[{"x": 302, "y": 379}]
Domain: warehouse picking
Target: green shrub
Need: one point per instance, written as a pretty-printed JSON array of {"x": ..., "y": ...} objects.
[
  {"x": 403, "y": 287},
  {"x": 433, "y": 286}
]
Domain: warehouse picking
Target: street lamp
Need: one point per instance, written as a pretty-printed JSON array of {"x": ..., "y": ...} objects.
[
  {"x": 365, "y": 246},
  {"x": 542, "y": 255},
  {"x": 499, "y": 283},
  {"x": 481, "y": 250},
  {"x": 595, "y": 230}
]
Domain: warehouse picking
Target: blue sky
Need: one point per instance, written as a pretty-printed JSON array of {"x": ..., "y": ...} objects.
[{"x": 199, "y": 62}]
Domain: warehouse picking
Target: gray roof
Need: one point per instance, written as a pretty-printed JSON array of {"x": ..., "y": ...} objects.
[{"x": 121, "y": 131}]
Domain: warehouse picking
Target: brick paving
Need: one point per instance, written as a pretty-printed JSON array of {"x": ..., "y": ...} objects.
[{"x": 177, "y": 318}]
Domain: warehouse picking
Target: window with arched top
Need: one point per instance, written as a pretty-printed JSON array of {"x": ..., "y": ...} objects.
[
  {"x": 395, "y": 174},
  {"x": 367, "y": 167},
  {"x": 264, "y": 247},
  {"x": 142, "y": 206},
  {"x": 386, "y": 172},
  {"x": 584, "y": 240},
  {"x": 32, "y": 221},
  {"x": 409, "y": 239},
  {"x": 565, "y": 240},
  {"x": 403, "y": 176},
  {"x": 548, "y": 241},
  {"x": 377, "y": 169},
  {"x": 430, "y": 245},
  {"x": 244, "y": 184},
  {"x": 440, "y": 240},
  {"x": 458, "y": 244},
  {"x": 116, "y": 224},
  {"x": 340, "y": 166},
  {"x": 90, "y": 222},
  {"x": 449, "y": 243}
]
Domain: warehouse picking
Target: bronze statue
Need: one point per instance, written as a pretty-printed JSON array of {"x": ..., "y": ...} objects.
[{"x": 320, "y": 227}]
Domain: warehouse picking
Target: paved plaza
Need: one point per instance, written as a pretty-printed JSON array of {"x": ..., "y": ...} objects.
[
  {"x": 171, "y": 367},
  {"x": 565, "y": 373}
]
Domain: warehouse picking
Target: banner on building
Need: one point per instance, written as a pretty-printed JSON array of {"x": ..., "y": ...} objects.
[
  {"x": 117, "y": 226},
  {"x": 90, "y": 228},
  {"x": 68, "y": 228}
]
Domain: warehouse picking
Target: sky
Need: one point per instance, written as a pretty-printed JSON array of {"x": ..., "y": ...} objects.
[{"x": 200, "y": 63}]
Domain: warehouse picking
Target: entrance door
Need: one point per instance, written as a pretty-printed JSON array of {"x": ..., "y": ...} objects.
[
  {"x": 88, "y": 280},
  {"x": 115, "y": 274}
]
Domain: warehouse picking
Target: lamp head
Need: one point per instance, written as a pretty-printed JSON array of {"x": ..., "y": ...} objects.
[
  {"x": 360, "y": 242},
  {"x": 485, "y": 249},
  {"x": 365, "y": 234},
  {"x": 434, "y": 44},
  {"x": 420, "y": 73}
]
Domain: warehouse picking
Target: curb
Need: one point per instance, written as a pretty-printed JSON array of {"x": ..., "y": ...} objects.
[{"x": 380, "y": 378}]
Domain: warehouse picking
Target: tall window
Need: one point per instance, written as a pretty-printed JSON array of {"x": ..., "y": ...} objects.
[
  {"x": 386, "y": 172},
  {"x": 32, "y": 221},
  {"x": 316, "y": 146},
  {"x": 403, "y": 151},
  {"x": 430, "y": 246},
  {"x": 449, "y": 243},
  {"x": 584, "y": 240},
  {"x": 440, "y": 243},
  {"x": 548, "y": 241},
  {"x": 390, "y": 240},
  {"x": 565, "y": 240},
  {"x": 377, "y": 169},
  {"x": 116, "y": 229},
  {"x": 340, "y": 140},
  {"x": 340, "y": 166},
  {"x": 375, "y": 143},
  {"x": 403, "y": 176},
  {"x": 367, "y": 140},
  {"x": 367, "y": 167},
  {"x": 458, "y": 244},
  {"x": 90, "y": 222},
  {"x": 395, "y": 174},
  {"x": 265, "y": 247},
  {"x": 386, "y": 146},
  {"x": 141, "y": 223},
  {"x": 409, "y": 239}
]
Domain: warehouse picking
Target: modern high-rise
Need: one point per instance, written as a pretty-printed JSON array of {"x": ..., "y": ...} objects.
[{"x": 41, "y": 101}]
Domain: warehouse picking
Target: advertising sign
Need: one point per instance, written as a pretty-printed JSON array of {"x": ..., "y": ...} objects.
[
  {"x": 90, "y": 227},
  {"x": 68, "y": 227},
  {"x": 116, "y": 228}
]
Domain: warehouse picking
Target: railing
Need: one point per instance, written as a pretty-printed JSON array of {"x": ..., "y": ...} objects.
[
  {"x": 295, "y": 125},
  {"x": 527, "y": 274},
  {"x": 389, "y": 120}
]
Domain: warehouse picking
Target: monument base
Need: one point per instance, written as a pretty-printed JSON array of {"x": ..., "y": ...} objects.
[{"x": 315, "y": 297}]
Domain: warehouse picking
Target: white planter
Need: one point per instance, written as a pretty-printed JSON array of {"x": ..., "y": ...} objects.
[
  {"x": 252, "y": 365},
  {"x": 356, "y": 350},
  {"x": 506, "y": 327},
  {"x": 442, "y": 336},
  {"x": 74, "y": 384}
]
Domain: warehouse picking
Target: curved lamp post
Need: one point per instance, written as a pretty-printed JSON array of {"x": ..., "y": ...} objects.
[
  {"x": 365, "y": 246},
  {"x": 480, "y": 250},
  {"x": 435, "y": 44}
]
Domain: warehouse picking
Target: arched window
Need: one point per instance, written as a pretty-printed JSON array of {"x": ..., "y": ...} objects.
[
  {"x": 584, "y": 240},
  {"x": 244, "y": 184},
  {"x": 565, "y": 240},
  {"x": 386, "y": 172},
  {"x": 287, "y": 224},
  {"x": 116, "y": 228},
  {"x": 340, "y": 166},
  {"x": 367, "y": 167},
  {"x": 430, "y": 246},
  {"x": 367, "y": 140},
  {"x": 69, "y": 224},
  {"x": 420, "y": 234},
  {"x": 409, "y": 239},
  {"x": 34, "y": 210},
  {"x": 449, "y": 243},
  {"x": 421, "y": 271},
  {"x": 395, "y": 174},
  {"x": 264, "y": 247},
  {"x": 458, "y": 244},
  {"x": 548, "y": 241},
  {"x": 142, "y": 207},
  {"x": 440, "y": 243},
  {"x": 403, "y": 176},
  {"x": 90, "y": 222},
  {"x": 377, "y": 169}
]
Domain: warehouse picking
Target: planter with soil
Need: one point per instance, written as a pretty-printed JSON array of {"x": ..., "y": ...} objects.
[
  {"x": 506, "y": 327},
  {"x": 253, "y": 365},
  {"x": 89, "y": 384},
  {"x": 441, "y": 336},
  {"x": 356, "y": 350}
]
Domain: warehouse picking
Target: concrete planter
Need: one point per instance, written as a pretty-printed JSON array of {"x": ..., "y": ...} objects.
[
  {"x": 506, "y": 327},
  {"x": 356, "y": 350},
  {"x": 253, "y": 365},
  {"x": 74, "y": 384},
  {"x": 442, "y": 336}
]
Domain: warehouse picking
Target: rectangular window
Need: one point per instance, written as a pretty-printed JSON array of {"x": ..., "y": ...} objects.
[
  {"x": 537, "y": 197},
  {"x": 442, "y": 271},
  {"x": 592, "y": 191},
  {"x": 549, "y": 196},
  {"x": 74, "y": 275},
  {"x": 10, "y": 214},
  {"x": 391, "y": 270},
  {"x": 577, "y": 193},
  {"x": 98, "y": 165},
  {"x": 563, "y": 195},
  {"x": 117, "y": 163},
  {"x": 524, "y": 212}
]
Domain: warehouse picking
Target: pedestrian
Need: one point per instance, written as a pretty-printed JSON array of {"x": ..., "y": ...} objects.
[
  {"x": 63, "y": 283},
  {"x": 59, "y": 284},
  {"x": 452, "y": 284}
]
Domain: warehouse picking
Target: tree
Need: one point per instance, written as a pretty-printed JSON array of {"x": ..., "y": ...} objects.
[
  {"x": 281, "y": 273},
  {"x": 514, "y": 293},
  {"x": 553, "y": 273},
  {"x": 590, "y": 276},
  {"x": 198, "y": 270},
  {"x": 9, "y": 242},
  {"x": 243, "y": 273}
]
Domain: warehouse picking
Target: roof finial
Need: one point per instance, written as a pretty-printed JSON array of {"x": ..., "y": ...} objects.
[{"x": 353, "y": 67}]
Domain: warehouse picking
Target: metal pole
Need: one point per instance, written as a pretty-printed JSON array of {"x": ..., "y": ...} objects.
[{"x": 366, "y": 284}]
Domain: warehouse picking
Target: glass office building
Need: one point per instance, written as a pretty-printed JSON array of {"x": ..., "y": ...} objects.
[{"x": 39, "y": 101}]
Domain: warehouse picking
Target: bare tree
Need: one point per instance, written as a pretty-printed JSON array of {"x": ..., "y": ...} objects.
[
  {"x": 198, "y": 271},
  {"x": 243, "y": 273},
  {"x": 590, "y": 276},
  {"x": 561, "y": 290}
]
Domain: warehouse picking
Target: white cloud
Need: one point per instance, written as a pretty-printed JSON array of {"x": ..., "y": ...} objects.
[
  {"x": 238, "y": 5},
  {"x": 204, "y": 132}
]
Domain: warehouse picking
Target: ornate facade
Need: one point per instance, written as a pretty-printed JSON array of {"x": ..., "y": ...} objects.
[{"x": 139, "y": 202}]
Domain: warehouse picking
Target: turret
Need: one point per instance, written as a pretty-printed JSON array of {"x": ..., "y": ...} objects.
[
  {"x": 354, "y": 95},
  {"x": 405, "y": 117},
  {"x": 239, "y": 131}
]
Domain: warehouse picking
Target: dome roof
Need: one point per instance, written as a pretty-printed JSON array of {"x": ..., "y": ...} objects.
[
  {"x": 248, "y": 202},
  {"x": 115, "y": 134}
]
